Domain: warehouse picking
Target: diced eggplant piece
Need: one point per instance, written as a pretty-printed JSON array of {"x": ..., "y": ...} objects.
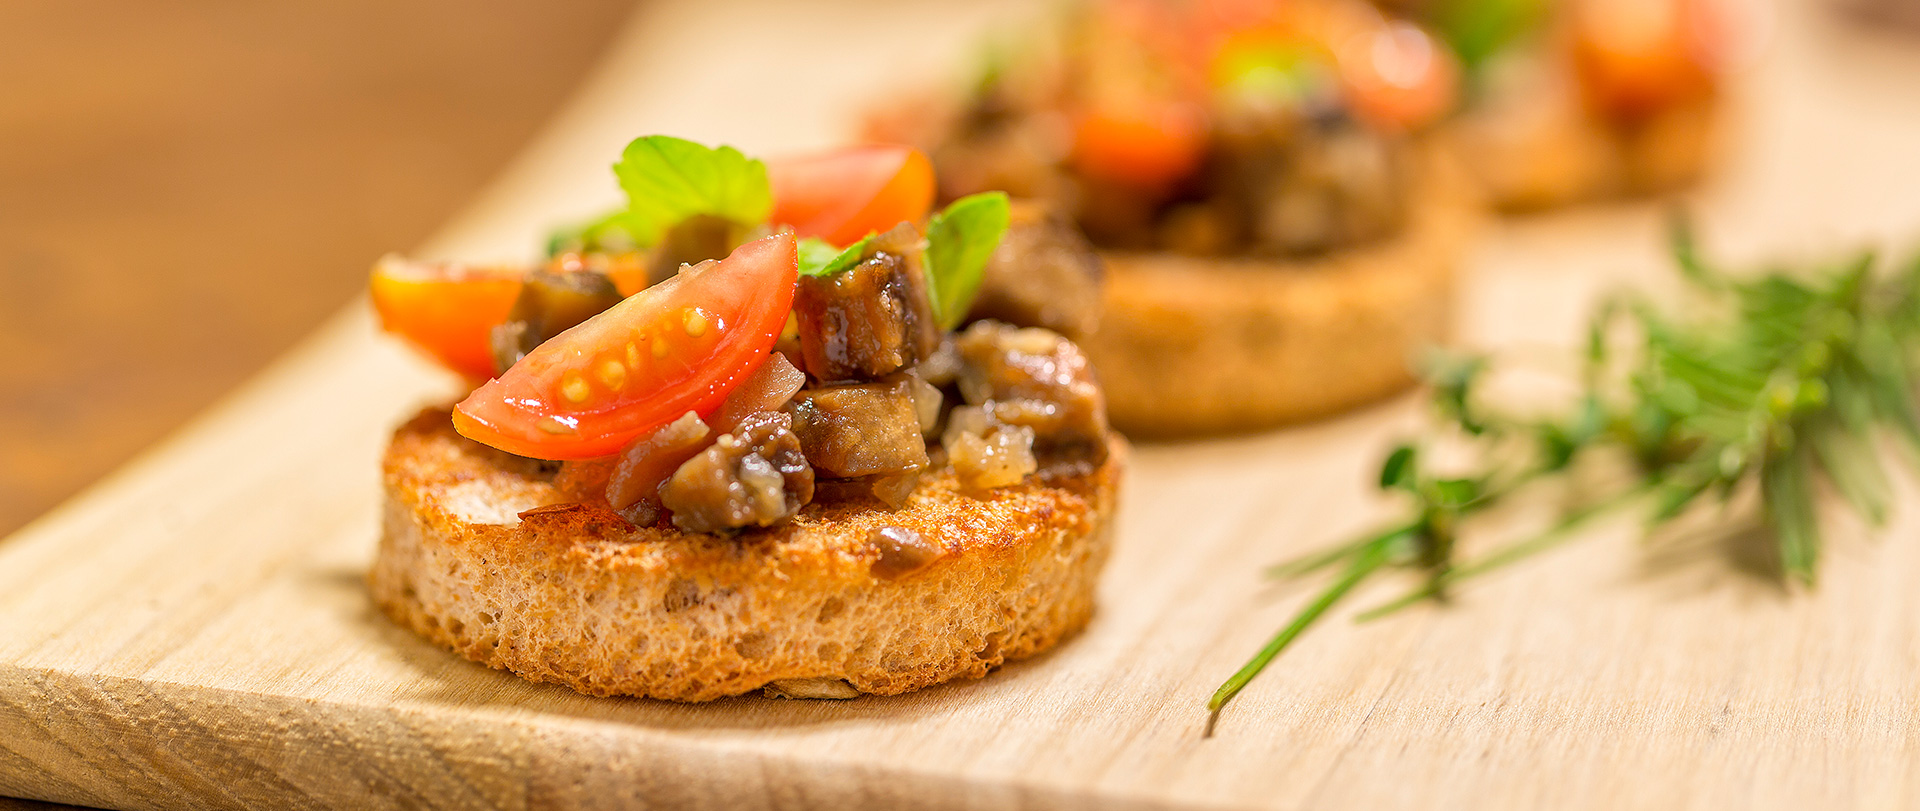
[
  {"x": 870, "y": 429},
  {"x": 1044, "y": 274},
  {"x": 1310, "y": 185},
  {"x": 695, "y": 240},
  {"x": 551, "y": 302},
  {"x": 872, "y": 319},
  {"x": 755, "y": 476},
  {"x": 1035, "y": 378}
]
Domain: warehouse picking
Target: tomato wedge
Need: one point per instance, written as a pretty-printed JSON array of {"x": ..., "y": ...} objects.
[
  {"x": 844, "y": 194},
  {"x": 1639, "y": 57},
  {"x": 675, "y": 347},
  {"x": 445, "y": 309},
  {"x": 1149, "y": 144},
  {"x": 1398, "y": 76}
]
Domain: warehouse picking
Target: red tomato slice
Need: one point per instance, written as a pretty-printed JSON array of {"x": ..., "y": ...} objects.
[
  {"x": 1398, "y": 76},
  {"x": 1147, "y": 145},
  {"x": 1638, "y": 57},
  {"x": 675, "y": 347},
  {"x": 445, "y": 309},
  {"x": 842, "y": 195}
]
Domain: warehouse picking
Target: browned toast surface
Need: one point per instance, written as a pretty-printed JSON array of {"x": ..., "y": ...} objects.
[{"x": 573, "y": 594}]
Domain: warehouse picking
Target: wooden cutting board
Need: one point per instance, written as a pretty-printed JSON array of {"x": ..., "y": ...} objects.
[{"x": 193, "y": 632}]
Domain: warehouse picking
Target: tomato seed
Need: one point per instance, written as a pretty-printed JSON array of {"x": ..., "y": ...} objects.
[
  {"x": 613, "y": 375},
  {"x": 695, "y": 321},
  {"x": 574, "y": 388}
]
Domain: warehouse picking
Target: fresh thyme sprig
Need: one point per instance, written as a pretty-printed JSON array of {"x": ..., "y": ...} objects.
[{"x": 1786, "y": 379}]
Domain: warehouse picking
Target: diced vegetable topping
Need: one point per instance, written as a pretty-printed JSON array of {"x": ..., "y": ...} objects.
[
  {"x": 633, "y": 483},
  {"x": 755, "y": 476},
  {"x": 767, "y": 389},
  {"x": 1036, "y": 379},
  {"x": 715, "y": 392},
  {"x": 860, "y": 430},
  {"x": 871, "y": 320},
  {"x": 550, "y": 302}
]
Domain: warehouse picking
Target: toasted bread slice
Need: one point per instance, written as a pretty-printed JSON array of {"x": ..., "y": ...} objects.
[
  {"x": 1192, "y": 345},
  {"x": 478, "y": 555}
]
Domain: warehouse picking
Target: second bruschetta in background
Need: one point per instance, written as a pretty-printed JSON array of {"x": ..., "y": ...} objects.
[
  {"x": 1279, "y": 241},
  {"x": 1576, "y": 100}
]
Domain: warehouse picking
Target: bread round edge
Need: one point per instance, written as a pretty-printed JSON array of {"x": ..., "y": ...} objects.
[
  {"x": 1190, "y": 346},
  {"x": 817, "y": 607}
]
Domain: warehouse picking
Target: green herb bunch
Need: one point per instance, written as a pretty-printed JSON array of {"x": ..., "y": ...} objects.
[{"x": 1779, "y": 379}]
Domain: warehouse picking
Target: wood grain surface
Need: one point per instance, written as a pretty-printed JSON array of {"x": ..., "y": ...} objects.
[{"x": 194, "y": 632}]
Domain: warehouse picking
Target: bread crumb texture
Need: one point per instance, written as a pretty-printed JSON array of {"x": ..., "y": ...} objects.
[{"x": 574, "y": 595}]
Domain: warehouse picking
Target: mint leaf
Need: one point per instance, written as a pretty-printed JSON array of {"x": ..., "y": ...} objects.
[
  {"x": 669, "y": 179},
  {"x": 818, "y": 257},
  {"x": 960, "y": 240}
]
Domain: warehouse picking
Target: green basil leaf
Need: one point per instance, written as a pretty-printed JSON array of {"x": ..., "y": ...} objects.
[
  {"x": 960, "y": 240},
  {"x": 818, "y": 257},
  {"x": 670, "y": 179}
]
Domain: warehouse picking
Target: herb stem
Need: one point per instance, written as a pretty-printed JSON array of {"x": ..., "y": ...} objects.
[
  {"x": 1315, "y": 561},
  {"x": 1369, "y": 560},
  {"x": 1547, "y": 539}
]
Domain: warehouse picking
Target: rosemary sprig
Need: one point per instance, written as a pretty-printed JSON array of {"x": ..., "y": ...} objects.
[{"x": 1780, "y": 380}]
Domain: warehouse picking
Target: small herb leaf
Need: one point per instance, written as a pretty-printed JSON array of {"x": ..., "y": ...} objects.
[
  {"x": 670, "y": 179},
  {"x": 960, "y": 240},
  {"x": 819, "y": 258}
]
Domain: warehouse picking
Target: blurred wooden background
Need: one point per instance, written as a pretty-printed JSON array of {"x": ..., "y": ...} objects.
[{"x": 186, "y": 188}]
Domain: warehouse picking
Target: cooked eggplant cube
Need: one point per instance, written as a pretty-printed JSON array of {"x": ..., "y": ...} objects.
[
  {"x": 754, "y": 476},
  {"x": 1044, "y": 274},
  {"x": 1033, "y": 377},
  {"x": 860, "y": 430},
  {"x": 866, "y": 322},
  {"x": 550, "y": 302}
]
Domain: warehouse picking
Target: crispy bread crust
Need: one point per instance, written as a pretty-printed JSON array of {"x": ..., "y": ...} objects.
[
  {"x": 577, "y": 596},
  {"x": 1190, "y": 346}
]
